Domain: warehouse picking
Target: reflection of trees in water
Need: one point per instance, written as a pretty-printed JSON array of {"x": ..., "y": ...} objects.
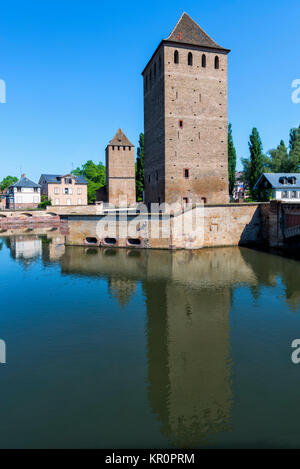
[{"x": 267, "y": 268}]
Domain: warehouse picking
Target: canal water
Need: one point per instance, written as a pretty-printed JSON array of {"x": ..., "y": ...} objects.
[{"x": 147, "y": 349}]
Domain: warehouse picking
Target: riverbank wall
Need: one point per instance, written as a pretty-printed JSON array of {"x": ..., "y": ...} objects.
[{"x": 216, "y": 226}]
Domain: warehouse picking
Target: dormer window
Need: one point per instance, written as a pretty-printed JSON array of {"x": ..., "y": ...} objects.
[
  {"x": 292, "y": 180},
  {"x": 283, "y": 180}
]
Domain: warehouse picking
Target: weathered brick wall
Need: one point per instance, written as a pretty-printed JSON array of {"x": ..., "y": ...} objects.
[
  {"x": 154, "y": 129},
  {"x": 197, "y": 97},
  {"x": 27, "y": 218},
  {"x": 120, "y": 163}
]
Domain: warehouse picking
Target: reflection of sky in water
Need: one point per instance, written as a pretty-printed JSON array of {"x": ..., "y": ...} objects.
[{"x": 120, "y": 348}]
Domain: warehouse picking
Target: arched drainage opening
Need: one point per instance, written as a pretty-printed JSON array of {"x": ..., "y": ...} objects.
[
  {"x": 27, "y": 214},
  {"x": 110, "y": 241},
  {"x": 91, "y": 240},
  {"x": 2, "y": 216},
  {"x": 134, "y": 241}
]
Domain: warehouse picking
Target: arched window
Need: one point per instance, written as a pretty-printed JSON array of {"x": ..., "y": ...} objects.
[
  {"x": 203, "y": 60},
  {"x": 190, "y": 59},
  {"x": 176, "y": 57},
  {"x": 217, "y": 63}
]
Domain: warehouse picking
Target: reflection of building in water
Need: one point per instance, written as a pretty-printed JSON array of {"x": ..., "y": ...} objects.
[
  {"x": 26, "y": 247},
  {"x": 188, "y": 299},
  {"x": 189, "y": 359},
  {"x": 267, "y": 268},
  {"x": 28, "y": 244},
  {"x": 121, "y": 268},
  {"x": 122, "y": 289}
]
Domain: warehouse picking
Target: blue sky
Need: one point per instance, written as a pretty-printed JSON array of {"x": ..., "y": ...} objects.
[{"x": 73, "y": 73}]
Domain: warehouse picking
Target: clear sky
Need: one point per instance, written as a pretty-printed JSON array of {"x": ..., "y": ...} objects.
[{"x": 73, "y": 73}]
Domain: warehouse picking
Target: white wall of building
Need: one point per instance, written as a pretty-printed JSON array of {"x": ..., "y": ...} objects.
[{"x": 27, "y": 195}]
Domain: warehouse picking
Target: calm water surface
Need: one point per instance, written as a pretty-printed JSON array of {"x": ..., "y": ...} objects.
[{"x": 137, "y": 349}]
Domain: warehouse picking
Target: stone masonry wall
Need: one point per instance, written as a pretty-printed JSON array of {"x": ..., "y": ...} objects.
[
  {"x": 225, "y": 225},
  {"x": 185, "y": 108}
]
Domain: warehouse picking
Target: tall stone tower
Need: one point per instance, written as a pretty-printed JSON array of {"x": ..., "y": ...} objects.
[
  {"x": 120, "y": 171},
  {"x": 185, "y": 118}
]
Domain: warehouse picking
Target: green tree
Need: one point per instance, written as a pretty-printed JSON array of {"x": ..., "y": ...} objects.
[
  {"x": 255, "y": 166},
  {"x": 231, "y": 160},
  {"x": 45, "y": 202},
  {"x": 294, "y": 155},
  {"x": 95, "y": 175},
  {"x": 139, "y": 179},
  {"x": 278, "y": 159},
  {"x": 7, "y": 181}
]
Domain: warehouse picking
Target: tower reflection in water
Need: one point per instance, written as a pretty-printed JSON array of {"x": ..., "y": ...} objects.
[{"x": 188, "y": 298}]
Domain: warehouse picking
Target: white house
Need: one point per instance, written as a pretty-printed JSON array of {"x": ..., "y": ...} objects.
[
  {"x": 23, "y": 194},
  {"x": 283, "y": 186}
]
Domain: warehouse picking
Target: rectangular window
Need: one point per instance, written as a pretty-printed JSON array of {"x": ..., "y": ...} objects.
[
  {"x": 294, "y": 194},
  {"x": 285, "y": 194},
  {"x": 70, "y": 191},
  {"x": 186, "y": 173},
  {"x": 79, "y": 191},
  {"x": 185, "y": 200},
  {"x": 56, "y": 190},
  {"x": 56, "y": 201},
  {"x": 79, "y": 202},
  {"x": 66, "y": 190}
]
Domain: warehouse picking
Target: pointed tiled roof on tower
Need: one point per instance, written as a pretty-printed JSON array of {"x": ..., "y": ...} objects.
[
  {"x": 187, "y": 31},
  {"x": 121, "y": 140}
]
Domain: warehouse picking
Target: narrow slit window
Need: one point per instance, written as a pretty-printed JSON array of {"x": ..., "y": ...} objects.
[
  {"x": 203, "y": 61},
  {"x": 190, "y": 59},
  {"x": 217, "y": 63},
  {"x": 186, "y": 173},
  {"x": 176, "y": 57}
]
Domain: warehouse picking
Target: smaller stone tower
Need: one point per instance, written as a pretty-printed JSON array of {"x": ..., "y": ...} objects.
[{"x": 120, "y": 171}]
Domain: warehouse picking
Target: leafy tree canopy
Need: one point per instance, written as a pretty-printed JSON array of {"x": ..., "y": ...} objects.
[
  {"x": 95, "y": 175},
  {"x": 231, "y": 160},
  {"x": 7, "y": 181},
  {"x": 283, "y": 159},
  {"x": 255, "y": 165}
]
